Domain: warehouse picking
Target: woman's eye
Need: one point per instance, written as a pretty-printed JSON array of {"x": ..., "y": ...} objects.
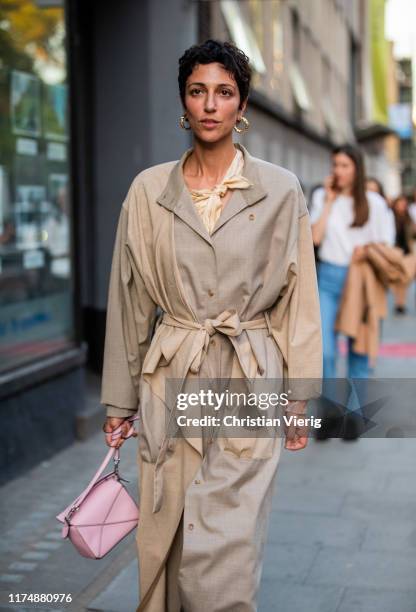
[{"x": 197, "y": 90}]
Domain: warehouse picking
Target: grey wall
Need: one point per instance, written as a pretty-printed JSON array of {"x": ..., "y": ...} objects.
[
  {"x": 173, "y": 29},
  {"x": 277, "y": 143},
  {"x": 136, "y": 108}
]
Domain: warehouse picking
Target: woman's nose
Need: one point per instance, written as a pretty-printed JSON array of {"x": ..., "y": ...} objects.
[{"x": 210, "y": 102}]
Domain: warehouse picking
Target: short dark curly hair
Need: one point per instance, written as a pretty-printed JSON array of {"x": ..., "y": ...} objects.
[{"x": 226, "y": 53}]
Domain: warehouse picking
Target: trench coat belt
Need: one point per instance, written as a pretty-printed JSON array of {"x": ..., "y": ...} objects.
[{"x": 227, "y": 323}]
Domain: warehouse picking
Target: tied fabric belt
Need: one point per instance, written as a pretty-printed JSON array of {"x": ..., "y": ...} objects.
[{"x": 227, "y": 323}]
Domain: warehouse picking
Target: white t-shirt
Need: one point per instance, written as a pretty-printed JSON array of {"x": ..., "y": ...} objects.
[{"x": 339, "y": 239}]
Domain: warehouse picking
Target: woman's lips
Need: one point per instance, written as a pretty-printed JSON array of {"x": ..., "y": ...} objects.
[{"x": 208, "y": 123}]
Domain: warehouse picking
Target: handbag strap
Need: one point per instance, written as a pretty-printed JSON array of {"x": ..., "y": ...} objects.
[{"x": 112, "y": 452}]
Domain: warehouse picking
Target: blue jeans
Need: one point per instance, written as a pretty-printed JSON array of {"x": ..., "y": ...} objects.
[{"x": 331, "y": 279}]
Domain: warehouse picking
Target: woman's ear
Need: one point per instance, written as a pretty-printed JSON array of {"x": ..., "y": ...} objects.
[{"x": 243, "y": 106}]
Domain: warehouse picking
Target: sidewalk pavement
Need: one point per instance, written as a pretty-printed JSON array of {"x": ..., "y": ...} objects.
[{"x": 342, "y": 534}]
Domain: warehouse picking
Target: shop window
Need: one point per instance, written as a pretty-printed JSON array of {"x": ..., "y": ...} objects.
[{"x": 36, "y": 284}]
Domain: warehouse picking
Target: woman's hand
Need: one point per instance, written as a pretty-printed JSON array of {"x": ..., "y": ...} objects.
[
  {"x": 359, "y": 254},
  {"x": 330, "y": 191},
  {"x": 319, "y": 227},
  {"x": 296, "y": 434},
  {"x": 112, "y": 423}
]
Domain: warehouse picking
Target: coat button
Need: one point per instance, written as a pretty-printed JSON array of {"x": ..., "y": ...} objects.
[
  {"x": 197, "y": 482},
  {"x": 190, "y": 526},
  {"x": 210, "y": 292},
  {"x": 252, "y": 216},
  {"x": 212, "y": 342}
]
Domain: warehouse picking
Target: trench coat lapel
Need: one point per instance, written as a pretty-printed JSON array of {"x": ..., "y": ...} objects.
[
  {"x": 241, "y": 198},
  {"x": 176, "y": 196}
]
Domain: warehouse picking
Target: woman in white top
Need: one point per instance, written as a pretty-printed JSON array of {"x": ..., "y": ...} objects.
[{"x": 344, "y": 218}]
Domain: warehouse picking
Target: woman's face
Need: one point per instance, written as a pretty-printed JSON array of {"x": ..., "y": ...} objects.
[
  {"x": 211, "y": 99},
  {"x": 372, "y": 186},
  {"x": 343, "y": 169}
]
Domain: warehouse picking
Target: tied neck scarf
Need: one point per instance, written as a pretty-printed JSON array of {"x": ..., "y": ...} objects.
[{"x": 208, "y": 201}]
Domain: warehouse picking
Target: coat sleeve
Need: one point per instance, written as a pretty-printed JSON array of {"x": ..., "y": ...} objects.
[
  {"x": 129, "y": 321},
  {"x": 295, "y": 317}
]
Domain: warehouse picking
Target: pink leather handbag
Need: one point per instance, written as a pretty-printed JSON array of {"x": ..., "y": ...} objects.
[{"x": 104, "y": 513}]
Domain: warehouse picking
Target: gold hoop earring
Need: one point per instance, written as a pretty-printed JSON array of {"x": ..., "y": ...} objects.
[
  {"x": 246, "y": 125},
  {"x": 182, "y": 120}
]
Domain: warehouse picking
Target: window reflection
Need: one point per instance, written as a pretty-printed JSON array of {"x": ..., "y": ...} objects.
[{"x": 36, "y": 314}]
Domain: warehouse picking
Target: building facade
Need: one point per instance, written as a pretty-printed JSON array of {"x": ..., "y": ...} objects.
[{"x": 407, "y": 141}]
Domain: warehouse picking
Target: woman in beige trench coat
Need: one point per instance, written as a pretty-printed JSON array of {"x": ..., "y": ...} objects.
[{"x": 238, "y": 295}]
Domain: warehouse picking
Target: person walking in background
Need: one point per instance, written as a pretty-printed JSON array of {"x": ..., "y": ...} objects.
[
  {"x": 344, "y": 217},
  {"x": 373, "y": 184},
  {"x": 405, "y": 239}
]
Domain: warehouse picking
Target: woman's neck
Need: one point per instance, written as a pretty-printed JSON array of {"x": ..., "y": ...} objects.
[{"x": 209, "y": 162}]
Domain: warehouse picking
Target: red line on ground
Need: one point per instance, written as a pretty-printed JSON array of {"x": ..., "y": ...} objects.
[{"x": 388, "y": 349}]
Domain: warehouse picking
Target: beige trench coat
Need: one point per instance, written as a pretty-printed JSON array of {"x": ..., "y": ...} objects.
[{"x": 239, "y": 303}]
